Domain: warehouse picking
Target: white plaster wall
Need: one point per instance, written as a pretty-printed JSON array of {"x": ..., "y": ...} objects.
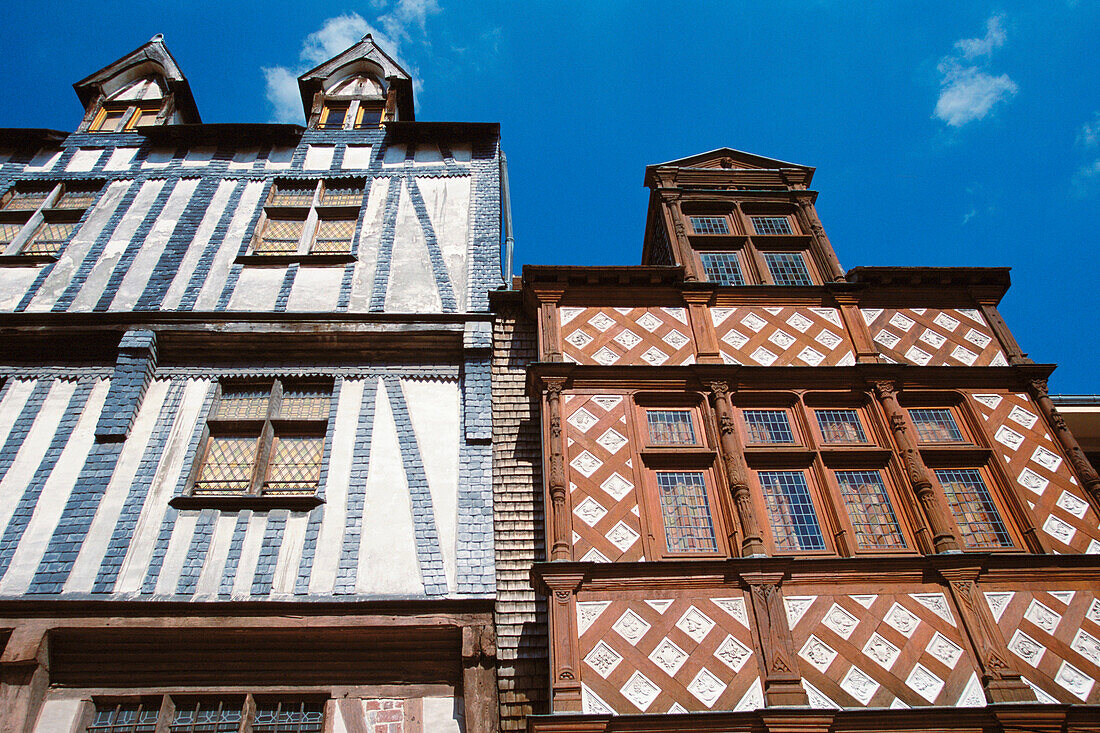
[
  {"x": 327, "y": 556},
  {"x": 34, "y": 447},
  {"x": 387, "y": 552},
  {"x": 290, "y": 553},
  {"x": 227, "y": 252},
  {"x": 14, "y": 282},
  {"x": 137, "y": 277},
  {"x": 434, "y": 409},
  {"x": 58, "y": 716},
  {"x": 250, "y": 553},
  {"x": 194, "y": 250},
  {"x": 367, "y": 247},
  {"x": 92, "y": 550},
  {"x": 96, "y": 282},
  {"x": 257, "y": 288},
  {"x": 73, "y": 253},
  {"x": 121, "y": 159},
  {"x": 463, "y": 152},
  {"x": 357, "y": 156},
  {"x": 180, "y": 542},
  {"x": 84, "y": 160},
  {"x": 412, "y": 287},
  {"x": 315, "y": 289},
  {"x": 159, "y": 158},
  {"x": 427, "y": 154},
  {"x": 318, "y": 157},
  {"x": 43, "y": 160},
  {"x": 12, "y": 404},
  {"x": 244, "y": 158},
  {"x": 54, "y": 496},
  {"x": 162, "y": 488},
  {"x": 394, "y": 155},
  {"x": 279, "y": 158},
  {"x": 443, "y": 715},
  {"x": 209, "y": 582},
  {"x": 199, "y": 156},
  {"x": 448, "y": 203}
]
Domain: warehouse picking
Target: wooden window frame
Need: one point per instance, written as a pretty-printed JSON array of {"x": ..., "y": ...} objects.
[
  {"x": 796, "y": 429},
  {"x": 131, "y": 112},
  {"x": 861, "y": 420},
  {"x": 360, "y": 113},
  {"x": 169, "y": 703},
  {"x": 311, "y": 215},
  {"x": 33, "y": 221},
  {"x": 992, "y": 487},
  {"x": 817, "y": 499},
  {"x": 327, "y": 108}
]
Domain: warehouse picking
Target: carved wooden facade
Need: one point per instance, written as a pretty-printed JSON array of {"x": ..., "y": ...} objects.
[{"x": 778, "y": 493}]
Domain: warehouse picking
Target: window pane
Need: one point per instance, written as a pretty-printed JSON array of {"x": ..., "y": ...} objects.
[
  {"x": 840, "y": 426},
  {"x": 686, "y": 512},
  {"x": 295, "y": 465},
  {"x": 289, "y": 717},
  {"x": 76, "y": 199},
  {"x": 709, "y": 225},
  {"x": 243, "y": 403},
  {"x": 207, "y": 717},
  {"x": 979, "y": 522},
  {"x": 280, "y": 237},
  {"x": 133, "y": 717},
  {"x": 292, "y": 195},
  {"x": 765, "y": 225},
  {"x": 145, "y": 117},
  {"x": 791, "y": 511},
  {"x": 870, "y": 510},
  {"x": 369, "y": 116},
  {"x": 49, "y": 239},
  {"x": 26, "y": 200},
  {"x": 305, "y": 402},
  {"x": 768, "y": 426},
  {"x": 722, "y": 268},
  {"x": 227, "y": 465},
  {"x": 8, "y": 233},
  {"x": 936, "y": 426},
  {"x": 334, "y": 235},
  {"x": 343, "y": 194},
  {"x": 787, "y": 268},
  {"x": 112, "y": 120},
  {"x": 335, "y": 117},
  {"x": 670, "y": 427}
]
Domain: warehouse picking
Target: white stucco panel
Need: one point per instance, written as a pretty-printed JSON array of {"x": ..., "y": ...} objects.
[
  {"x": 315, "y": 289},
  {"x": 194, "y": 250},
  {"x": 84, "y": 160},
  {"x": 14, "y": 282},
  {"x": 318, "y": 157},
  {"x": 448, "y": 203},
  {"x": 412, "y": 287},
  {"x": 367, "y": 247},
  {"x": 257, "y": 289},
  {"x": 357, "y": 157},
  {"x": 227, "y": 251}
]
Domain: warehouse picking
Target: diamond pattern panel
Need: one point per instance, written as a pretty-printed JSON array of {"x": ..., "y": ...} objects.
[
  {"x": 1030, "y": 456},
  {"x": 775, "y": 336},
  {"x": 933, "y": 337},
  {"x": 877, "y": 650},
  {"x": 1055, "y": 637},
  {"x": 663, "y": 655},
  {"x": 602, "y": 484},
  {"x": 627, "y": 336}
]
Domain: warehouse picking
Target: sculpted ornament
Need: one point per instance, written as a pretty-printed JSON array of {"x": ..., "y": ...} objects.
[{"x": 884, "y": 390}]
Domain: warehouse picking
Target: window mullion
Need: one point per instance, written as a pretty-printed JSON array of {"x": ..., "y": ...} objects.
[
  {"x": 248, "y": 714},
  {"x": 167, "y": 711},
  {"x": 263, "y": 455}
]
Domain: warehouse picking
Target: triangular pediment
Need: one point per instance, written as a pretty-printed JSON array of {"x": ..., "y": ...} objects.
[
  {"x": 365, "y": 57},
  {"x": 728, "y": 158}
]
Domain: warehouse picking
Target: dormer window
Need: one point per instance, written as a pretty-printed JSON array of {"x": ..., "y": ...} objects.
[{"x": 333, "y": 115}]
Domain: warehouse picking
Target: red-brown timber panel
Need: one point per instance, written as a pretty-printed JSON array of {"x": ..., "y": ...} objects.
[
  {"x": 1056, "y": 633},
  {"x": 934, "y": 337},
  {"x": 902, "y": 649},
  {"x": 1033, "y": 459},
  {"x": 627, "y": 336},
  {"x": 782, "y": 336},
  {"x": 666, "y": 654},
  {"x": 602, "y": 484}
]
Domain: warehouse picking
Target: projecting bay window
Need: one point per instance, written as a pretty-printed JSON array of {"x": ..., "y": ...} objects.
[
  {"x": 263, "y": 439},
  {"x": 308, "y": 219},
  {"x": 787, "y": 268},
  {"x": 38, "y": 219},
  {"x": 723, "y": 268},
  {"x": 208, "y": 715}
]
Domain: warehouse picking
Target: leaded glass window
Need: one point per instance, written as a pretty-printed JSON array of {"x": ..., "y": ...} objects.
[
  {"x": 289, "y": 717},
  {"x": 216, "y": 716},
  {"x": 870, "y": 510},
  {"x": 292, "y": 193},
  {"x": 787, "y": 268},
  {"x": 791, "y": 512},
  {"x": 343, "y": 194},
  {"x": 936, "y": 425},
  {"x": 27, "y": 199},
  {"x": 128, "y": 717},
  {"x": 685, "y": 512},
  {"x": 8, "y": 232},
  {"x": 670, "y": 427},
  {"x": 709, "y": 225},
  {"x": 228, "y": 465},
  {"x": 280, "y": 237},
  {"x": 49, "y": 239},
  {"x": 723, "y": 268},
  {"x": 980, "y": 523},
  {"x": 334, "y": 235},
  {"x": 768, "y": 426},
  {"x": 295, "y": 464},
  {"x": 840, "y": 426},
  {"x": 771, "y": 225}
]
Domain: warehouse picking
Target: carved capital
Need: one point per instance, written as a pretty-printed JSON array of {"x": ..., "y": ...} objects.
[
  {"x": 884, "y": 389},
  {"x": 897, "y": 423},
  {"x": 721, "y": 390},
  {"x": 1039, "y": 388}
]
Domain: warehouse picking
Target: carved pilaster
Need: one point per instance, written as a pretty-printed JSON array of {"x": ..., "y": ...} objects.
[
  {"x": 774, "y": 645},
  {"x": 1086, "y": 474},
  {"x": 559, "y": 495},
  {"x": 675, "y": 217},
  {"x": 733, "y": 458},
  {"x": 866, "y": 353},
  {"x": 702, "y": 326},
  {"x": 807, "y": 218},
  {"x": 935, "y": 508},
  {"x": 550, "y": 345},
  {"x": 1000, "y": 681},
  {"x": 1004, "y": 335},
  {"x": 565, "y": 682}
]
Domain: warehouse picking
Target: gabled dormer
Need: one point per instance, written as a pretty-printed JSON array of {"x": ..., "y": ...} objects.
[
  {"x": 145, "y": 87},
  {"x": 733, "y": 218},
  {"x": 357, "y": 90}
]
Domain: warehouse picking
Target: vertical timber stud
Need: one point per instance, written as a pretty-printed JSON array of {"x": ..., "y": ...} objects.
[
  {"x": 702, "y": 327},
  {"x": 24, "y": 678},
  {"x": 549, "y": 324},
  {"x": 1086, "y": 474},
  {"x": 866, "y": 353},
  {"x": 565, "y": 663},
  {"x": 733, "y": 458},
  {"x": 560, "y": 547},
  {"x": 1003, "y": 334},
  {"x": 775, "y": 648},
  {"x": 479, "y": 687},
  {"x": 1000, "y": 682},
  {"x": 935, "y": 509},
  {"x": 808, "y": 219}
]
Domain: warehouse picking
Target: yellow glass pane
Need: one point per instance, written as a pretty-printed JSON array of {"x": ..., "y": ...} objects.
[
  {"x": 343, "y": 195},
  {"x": 26, "y": 200},
  {"x": 305, "y": 403},
  {"x": 8, "y": 233},
  {"x": 243, "y": 404},
  {"x": 227, "y": 465},
  {"x": 292, "y": 195},
  {"x": 76, "y": 199},
  {"x": 295, "y": 465},
  {"x": 49, "y": 239},
  {"x": 334, "y": 235},
  {"x": 280, "y": 237}
]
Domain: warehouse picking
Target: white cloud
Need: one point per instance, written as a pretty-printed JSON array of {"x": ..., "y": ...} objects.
[
  {"x": 404, "y": 23},
  {"x": 967, "y": 91},
  {"x": 1089, "y": 134}
]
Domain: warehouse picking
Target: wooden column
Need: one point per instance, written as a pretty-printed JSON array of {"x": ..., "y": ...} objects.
[
  {"x": 549, "y": 323},
  {"x": 479, "y": 682},
  {"x": 674, "y": 221},
  {"x": 565, "y": 662},
  {"x": 1000, "y": 681},
  {"x": 1004, "y": 335},
  {"x": 560, "y": 525},
  {"x": 774, "y": 645},
  {"x": 808, "y": 219},
  {"x": 733, "y": 458},
  {"x": 24, "y": 679},
  {"x": 848, "y": 303},
  {"x": 702, "y": 327},
  {"x": 1086, "y": 474},
  {"x": 920, "y": 480}
]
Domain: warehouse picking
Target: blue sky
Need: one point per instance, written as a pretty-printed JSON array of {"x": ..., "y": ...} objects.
[{"x": 944, "y": 133}]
